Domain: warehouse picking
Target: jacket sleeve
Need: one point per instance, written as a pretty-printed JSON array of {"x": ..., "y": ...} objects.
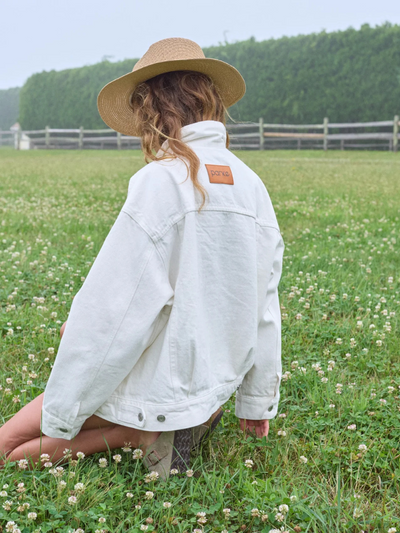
[
  {"x": 258, "y": 395},
  {"x": 111, "y": 322}
]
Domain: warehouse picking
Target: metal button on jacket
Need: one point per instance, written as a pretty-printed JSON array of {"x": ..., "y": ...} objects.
[
  {"x": 63, "y": 430},
  {"x": 140, "y": 417},
  {"x": 161, "y": 418}
]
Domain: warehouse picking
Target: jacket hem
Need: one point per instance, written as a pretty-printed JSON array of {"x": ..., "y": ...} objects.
[{"x": 166, "y": 417}]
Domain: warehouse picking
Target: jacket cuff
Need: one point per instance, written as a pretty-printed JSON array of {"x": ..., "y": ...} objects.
[
  {"x": 57, "y": 429},
  {"x": 256, "y": 407}
]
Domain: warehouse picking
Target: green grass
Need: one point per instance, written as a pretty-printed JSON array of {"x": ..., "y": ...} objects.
[{"x": 339, "y": 215}]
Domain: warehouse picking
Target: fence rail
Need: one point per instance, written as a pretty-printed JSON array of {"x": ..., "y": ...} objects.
[{"x": 243, "y": 136}]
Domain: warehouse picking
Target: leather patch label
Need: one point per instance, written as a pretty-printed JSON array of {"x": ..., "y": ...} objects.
[{"x": 220, "y": 174}]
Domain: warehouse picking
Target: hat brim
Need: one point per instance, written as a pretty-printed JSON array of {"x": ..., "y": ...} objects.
[{"x": 113, "y": 101}]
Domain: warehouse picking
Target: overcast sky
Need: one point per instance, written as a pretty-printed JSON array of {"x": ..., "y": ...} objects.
[{"x": 39, "y": 35}]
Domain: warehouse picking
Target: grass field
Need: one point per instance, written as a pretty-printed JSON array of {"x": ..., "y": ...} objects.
[{"x": 331, "y": 462}]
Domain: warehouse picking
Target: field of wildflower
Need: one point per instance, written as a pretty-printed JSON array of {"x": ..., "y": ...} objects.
[{"x": 331, "y": 462}]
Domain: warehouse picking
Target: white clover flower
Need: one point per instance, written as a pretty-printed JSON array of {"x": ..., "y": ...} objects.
[
  {"x": 226, "y": 512},
  {"x": 152, "y": 476},
  {"x": 283, "y": 508},
  {"x": 129, "y": 495},
  {"x": 127, "y": 447},
  {"x": 255, "y": 513},
  {"x": 143, "y": 527},
  {"x": 80, "y": 455},
  {"x": 293, "y": 498},
  {"x": 357, "y": 513},
  {"x": 331, "y": 406},
  {"x": 279, "y": 517},
  {"x": 117, "y": 458},
  {"x": 303, "y": 459},
  {"x": 362, "y": 448},
  {"x": 248, "y": 463},
  {"x": 149, "y": 495},
  {"x": 72, "y": 500},
  {"x": 32, "y": 516},
  {"x": 392, "y": 530},
  {"x": 282, "y": 433},
  {"x": 324, "y": 380},
  {"x": 102, "y": 519},
  {"x": 23, "y": 464},
  {"x": 10, "y": 526},
  {"x": 167, "y": 505},
  {"x": 174, "y": 471},
  {"x": 189, "y": 473},
  {"x": 79, "y": 487},
  {"x": 7, "y": 505},
  {"x": 137, "y": 454},
  {"x": 103, "y": 462},
  {"x": 379, "y": 342},
  {"x": 62, "y": 484},
  {"x": 45, "y": 457},
  {"x": 3, "y": 494},
  {"x": 383, "y": 401},
  {"x": 352, "y": 427}
]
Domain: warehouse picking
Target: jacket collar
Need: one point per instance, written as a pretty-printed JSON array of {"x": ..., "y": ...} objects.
[{"x": 207, "y": 133}]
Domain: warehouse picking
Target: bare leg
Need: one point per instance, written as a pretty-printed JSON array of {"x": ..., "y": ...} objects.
[{"x": 20, "y": 436}]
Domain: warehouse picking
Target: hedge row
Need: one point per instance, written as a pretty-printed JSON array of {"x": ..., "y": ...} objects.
[
  {"x": 348, "y": 76},
  {"x": 9, "y": 100}
]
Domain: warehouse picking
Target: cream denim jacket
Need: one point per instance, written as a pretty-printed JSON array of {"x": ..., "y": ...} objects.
[{"x": 180, "y": 308}]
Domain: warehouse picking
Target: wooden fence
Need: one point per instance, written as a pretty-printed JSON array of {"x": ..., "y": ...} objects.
[{"x": 383, "y": 135}]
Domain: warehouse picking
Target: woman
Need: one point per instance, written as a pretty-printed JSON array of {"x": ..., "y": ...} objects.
[{"x": 180, "y": 308}]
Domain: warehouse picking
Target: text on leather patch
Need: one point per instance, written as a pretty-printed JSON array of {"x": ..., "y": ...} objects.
[{"x": 220, "y": 174}]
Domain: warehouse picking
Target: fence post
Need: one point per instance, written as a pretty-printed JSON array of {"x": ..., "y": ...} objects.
[
  {"x": 261, "y": 131},
  {"x": 47, "y": 136},
  {"x": 80, "y": 138},
  {"x": 395, "y": 133},
  {"x": 326, "y": 127},
  {"x": 17, "y": 138},
  {"x": 118, "y": 140}
]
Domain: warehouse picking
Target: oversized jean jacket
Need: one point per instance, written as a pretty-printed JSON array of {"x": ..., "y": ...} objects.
[{"x": 180, "y": 309}]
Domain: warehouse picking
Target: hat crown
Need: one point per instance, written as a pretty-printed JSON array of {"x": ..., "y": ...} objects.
[{"x": 170, "y": 50}]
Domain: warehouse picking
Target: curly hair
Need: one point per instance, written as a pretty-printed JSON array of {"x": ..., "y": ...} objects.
[{"x": 164, "y": 104}]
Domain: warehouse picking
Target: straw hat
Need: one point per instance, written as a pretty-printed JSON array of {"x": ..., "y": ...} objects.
[{"x": 167, "y": 55}]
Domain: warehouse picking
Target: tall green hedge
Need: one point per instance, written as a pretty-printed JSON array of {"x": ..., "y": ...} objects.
[
  {"x": 348, "y": 76},
  {"x": 67, "y": 98},
  {"x": 9, "y": 100}
]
